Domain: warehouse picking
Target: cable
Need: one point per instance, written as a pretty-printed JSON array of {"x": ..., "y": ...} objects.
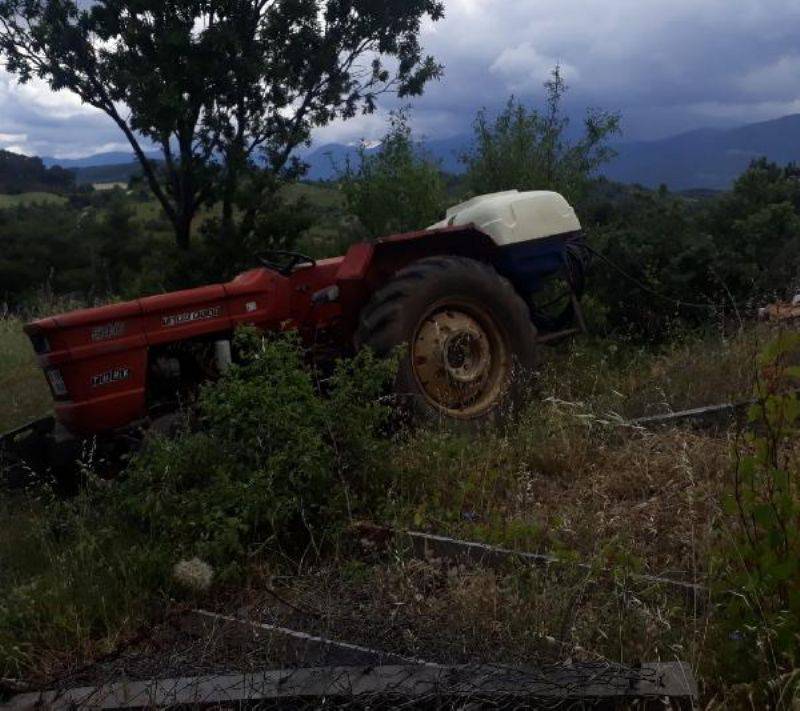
[{"x": 644, "y": 287}]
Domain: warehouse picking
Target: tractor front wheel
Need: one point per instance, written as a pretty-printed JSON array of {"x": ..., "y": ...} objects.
[{"x": 468, "y": 335}]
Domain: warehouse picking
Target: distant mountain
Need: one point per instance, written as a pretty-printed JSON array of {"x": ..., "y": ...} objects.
[
  {"x": 107, "y": 173},
  {"x": 110, "y": 158},
  {"x": 706, "y": 159},
  {"x": 326, "y": 160}
]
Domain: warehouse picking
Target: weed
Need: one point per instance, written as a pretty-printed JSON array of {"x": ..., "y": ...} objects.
[
  {"x": 759, "y": 555},
  {"x": 272, "y": 465}
]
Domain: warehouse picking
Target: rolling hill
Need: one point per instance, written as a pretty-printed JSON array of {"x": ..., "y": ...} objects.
[{"x": 707, "y": 159}]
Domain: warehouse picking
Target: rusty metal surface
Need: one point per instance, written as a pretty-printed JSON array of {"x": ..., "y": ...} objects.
[{"x": 459, "y": 359}]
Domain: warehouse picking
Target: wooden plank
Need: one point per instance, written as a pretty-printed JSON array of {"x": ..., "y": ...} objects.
[{"x": 465, "y": 683}]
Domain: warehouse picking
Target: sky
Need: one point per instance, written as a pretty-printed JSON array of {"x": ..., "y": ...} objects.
[{"x": 666, "y": 65}]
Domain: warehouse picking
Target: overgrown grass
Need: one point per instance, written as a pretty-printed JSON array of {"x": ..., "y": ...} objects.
[
  {"x": 31, "y": 198},
  {"x": 25, "y": 394},
  {"x": 562, "y": 480},
  {"x": 271, "y": 467},
  {"x": 272, "y": 474},
  {"x": 634, "y": 380}
]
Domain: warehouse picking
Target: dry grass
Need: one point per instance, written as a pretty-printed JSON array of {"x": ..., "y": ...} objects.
[
  {"x": 569, "y": 477},
  {"x": 439, "y": 612},
  {"x": 24, "y": 394},
  {"x": 648, "y": 501},
  {"x": 611, "y": 377}
]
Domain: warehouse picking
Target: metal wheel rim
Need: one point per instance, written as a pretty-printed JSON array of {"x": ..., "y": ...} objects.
[{"x": 460, "y": 359}]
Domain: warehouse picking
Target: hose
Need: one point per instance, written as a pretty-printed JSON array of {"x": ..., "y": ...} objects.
[{"x": 643, "y": 287}]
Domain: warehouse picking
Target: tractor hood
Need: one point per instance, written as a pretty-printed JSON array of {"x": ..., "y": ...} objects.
[{"x": 511, "y": 217}]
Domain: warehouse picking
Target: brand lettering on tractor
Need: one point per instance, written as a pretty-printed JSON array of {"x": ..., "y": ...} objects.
[
  {"x": 111, "y": 376},
  {"x": 190, "y": 316},
  {"x": 108, "y": 331}
]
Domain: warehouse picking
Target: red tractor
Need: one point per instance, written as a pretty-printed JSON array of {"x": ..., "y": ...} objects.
[{"x": 460, "y": 295}]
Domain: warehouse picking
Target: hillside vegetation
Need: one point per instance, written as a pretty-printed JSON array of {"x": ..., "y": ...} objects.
[
  {"x": 25, "y": 393},
  {"x": 20, "y": 174}
]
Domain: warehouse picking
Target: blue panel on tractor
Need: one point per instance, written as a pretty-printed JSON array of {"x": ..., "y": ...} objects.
[{"x": 529, "y": 264}]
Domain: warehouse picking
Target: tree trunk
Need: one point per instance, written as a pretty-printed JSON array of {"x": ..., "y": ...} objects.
[{"x": 183, "y": 231}]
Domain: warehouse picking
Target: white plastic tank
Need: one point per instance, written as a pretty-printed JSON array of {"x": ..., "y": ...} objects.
[{"x": 511, "y": 217}]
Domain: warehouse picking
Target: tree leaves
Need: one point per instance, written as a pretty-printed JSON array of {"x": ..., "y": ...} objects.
[
  {"x": 528, "y": 149},
  {"x": 227, "y": 89}
]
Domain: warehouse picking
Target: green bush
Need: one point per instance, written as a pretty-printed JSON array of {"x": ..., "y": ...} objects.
[
  {"x": 699, "y": 262},
  {"x": 759, "y": 561},
  {"x": 530, "y": 149},
  {"x": 270, "y": 463},
  {"x": 397, "y": 189}
]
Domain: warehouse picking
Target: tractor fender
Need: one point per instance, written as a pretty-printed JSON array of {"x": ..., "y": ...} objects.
[{"x": 367, "y": 266}]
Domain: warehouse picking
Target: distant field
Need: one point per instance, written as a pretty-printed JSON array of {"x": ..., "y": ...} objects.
[
  {"x": 30, "y": 199},
  {"x": 320, "y": 196},
  {"x": 325, "y": 203},
  {"x": 25, "y": 395}
]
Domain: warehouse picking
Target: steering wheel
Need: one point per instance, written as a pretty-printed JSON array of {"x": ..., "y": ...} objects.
[{"x": 284, "y": 262}]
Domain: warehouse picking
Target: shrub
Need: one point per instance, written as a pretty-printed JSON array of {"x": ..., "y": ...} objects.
[
  {"x": 530, "y": 149},
  {"x": 397, "y": 189},
  {"x": 760, "y": 559},
  {"x": 270, "y": 462}
]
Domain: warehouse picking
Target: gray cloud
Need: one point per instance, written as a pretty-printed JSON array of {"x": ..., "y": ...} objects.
[{"x": 667, "y": 65}]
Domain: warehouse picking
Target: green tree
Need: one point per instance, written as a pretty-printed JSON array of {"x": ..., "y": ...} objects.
[
  {"x": 756, "y": 230},
  {"x": 654, "y": 238},
  {"x": 397, "y": 189},
  {"x": 694, "y": 260},
  {"x": 20, "y": 174},
  {"x": 226, "y": 90},
  {"x": 528, "y": 149}
]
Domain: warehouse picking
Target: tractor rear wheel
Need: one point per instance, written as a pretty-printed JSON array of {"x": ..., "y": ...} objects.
[{"x": 468, "y": 335}]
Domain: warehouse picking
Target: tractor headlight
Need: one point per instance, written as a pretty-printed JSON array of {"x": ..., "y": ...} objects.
[{"x": 56, "y": 381}]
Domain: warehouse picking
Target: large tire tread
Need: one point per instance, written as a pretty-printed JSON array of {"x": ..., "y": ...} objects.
[{"x": 381, "y": 321}]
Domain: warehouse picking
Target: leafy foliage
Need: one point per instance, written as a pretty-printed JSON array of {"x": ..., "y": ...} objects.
[
  {"x": 271, "y": 464},
  {"x": 756, "y": 229},
  {"x": 226, "y": 90},
  {"x": 271, "y": 457},
  {"x": 23, "y": 174},
  {"x": 694, "y": 261},
  {"x": 526, "y": 149},
  {"x": 654, "y": 239},
  {"x": 760, "y": 558},
  {"x": 95, "y": 251},
  {"x": 396, "y": 189}
]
